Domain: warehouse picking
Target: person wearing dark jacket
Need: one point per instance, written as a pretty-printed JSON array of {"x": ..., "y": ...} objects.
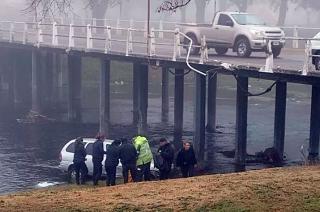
[
  {"x": 186, "y": 160},
  {"x": 128, "y": 158},
  {"x": 97, "y": 158},
  {"x": 112, "y": 161},
  {"x": 79, "y": 159},
  {"x": 166, "y": 152}
]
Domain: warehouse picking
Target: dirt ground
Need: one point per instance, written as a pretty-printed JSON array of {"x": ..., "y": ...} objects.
[{"x": 283, "y": 189}]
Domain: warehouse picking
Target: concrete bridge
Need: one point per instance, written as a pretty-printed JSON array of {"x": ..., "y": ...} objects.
[{"x": 45, "y": 45}]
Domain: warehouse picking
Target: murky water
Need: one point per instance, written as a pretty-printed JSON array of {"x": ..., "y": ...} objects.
[{"x": 29, "y": 153}]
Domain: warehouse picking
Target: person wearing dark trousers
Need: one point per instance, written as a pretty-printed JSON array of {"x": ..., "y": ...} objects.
[
  {"x": 112, "y": 161},
  {"x": 97, "y": 158},
  {"x": 144, "y": 158},
  {"x": 79, "y": 159},
  {"x": 186, "y": 160},
  {"x": 165, "y": 156},
  {"x": 128, "y": 158}
]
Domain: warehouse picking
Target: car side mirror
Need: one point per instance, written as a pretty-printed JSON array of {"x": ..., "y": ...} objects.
[{"x": 229, "y": 23}]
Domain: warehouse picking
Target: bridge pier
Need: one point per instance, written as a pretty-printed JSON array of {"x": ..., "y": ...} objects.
[
  {"x": 74, "y": 87},
  {"x": 314, "y": 124},
  {"x": 241, "y": 120},
  {"x": 135, "y": 94},
  {"x": 143, "y": 99},
  {"x": 200, "y": 116},
  {"x": 35, "y": 82},
  {"x": 140, "y": 97},
  {"x": 105, "y": 97},
  {"x": 47, "y": 74},
  {"x": 178, "y": 106},
  {"x": 212, "y": 102},
  {"x": 165, "y": 95},
  {"x": 280, "y": 117}
]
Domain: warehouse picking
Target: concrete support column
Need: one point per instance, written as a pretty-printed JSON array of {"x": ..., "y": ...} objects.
[
  {"x": 135, "y": 93},
  {"x": 74, "y": 88},
  {"x": 165, "y": 95},
  {"x": 241, "y": 120},
  {"x": 280, "y": 117},
  {"x": 48, "y": 79},
  {"x": 212, "y": 102},
  {"x": 178, "y": 106},
  {"x": 314, "y": 124},
  {"x": 200, "y": 116},
  {"x": 143, "y": 99},
  {"x": 35, "y": 82},
  {"x": 105, "y": 97}
]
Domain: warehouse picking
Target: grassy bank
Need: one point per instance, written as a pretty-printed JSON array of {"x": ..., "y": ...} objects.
[{"x": 284, "y": 189}]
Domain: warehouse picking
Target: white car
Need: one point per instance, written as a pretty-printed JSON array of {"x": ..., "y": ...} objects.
[
  {"x": 66, "y": 159},
  {"x": 316, "y": 51}
]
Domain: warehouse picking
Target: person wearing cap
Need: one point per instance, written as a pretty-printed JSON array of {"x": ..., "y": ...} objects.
[
  {"x": 186, "y": 160},
  {"x": 144, "y": 157},
  {"x": 164, "y": 156},
  {"x": 79, "y": 159},
  {"x": 97, "y": 158},
  {"x": 112, "y": 161},
  {"x": 128, "y": 158}
]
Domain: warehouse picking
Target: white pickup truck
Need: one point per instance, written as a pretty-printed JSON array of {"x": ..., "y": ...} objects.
[{"x": 242, "y": 32}]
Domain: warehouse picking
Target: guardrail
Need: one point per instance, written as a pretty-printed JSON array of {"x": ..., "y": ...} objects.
[
  {"x": 52, "y": 33},
  {"x": 55, "y": 31}
]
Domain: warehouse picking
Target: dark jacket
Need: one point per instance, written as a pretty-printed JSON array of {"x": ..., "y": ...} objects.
[
  {"x": 97, "y": 151},
  {"x": 113, "y": 155},
  {"x": 167, "y": 153},
  {"x": 79, "y": 152},
  {"x": 128, "y": 154},
  {"x": 186, "y": 158}
]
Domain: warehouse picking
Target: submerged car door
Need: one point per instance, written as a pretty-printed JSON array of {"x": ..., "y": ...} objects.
[{"x": 225, "y": 31}]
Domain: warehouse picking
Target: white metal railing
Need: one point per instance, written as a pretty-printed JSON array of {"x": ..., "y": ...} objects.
[
  {"x": 52, "y": 34},
  {"x": 65, "y": 35}
]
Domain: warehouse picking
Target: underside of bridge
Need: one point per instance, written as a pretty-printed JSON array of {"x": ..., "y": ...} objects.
[{"x": 44, "y": 70}]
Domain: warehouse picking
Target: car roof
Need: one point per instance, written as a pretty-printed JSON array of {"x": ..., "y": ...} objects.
[
  {"x": 92, "y": 140},
  {"x": 232, "y": 13}
]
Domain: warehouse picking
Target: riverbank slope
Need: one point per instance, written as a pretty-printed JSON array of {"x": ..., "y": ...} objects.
[{"x": 281, "y": 189}]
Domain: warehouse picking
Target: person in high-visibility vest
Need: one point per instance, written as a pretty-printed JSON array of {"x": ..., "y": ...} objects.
[{"x": 144, "y": 157}]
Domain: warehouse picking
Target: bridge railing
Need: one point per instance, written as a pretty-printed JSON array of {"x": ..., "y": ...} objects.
[
  {"x": 308, "y": 55},
  {"x": 101, "y": 38}
]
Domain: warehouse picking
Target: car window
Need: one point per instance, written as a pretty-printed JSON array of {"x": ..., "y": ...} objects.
[
  {"x": 89, "y": 149},
  {"x": 106, "y": 147},
  {"x": 224, "y": 20},
  {"x": 70, "y": 148}
]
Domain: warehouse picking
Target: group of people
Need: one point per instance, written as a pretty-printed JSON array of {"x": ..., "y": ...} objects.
[{"x": 136, "y": 158}]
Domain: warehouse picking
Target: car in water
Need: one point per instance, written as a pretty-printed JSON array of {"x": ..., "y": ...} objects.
[
  {"x": 66, "y": 159},
  {"x": 315, "y": 46}
]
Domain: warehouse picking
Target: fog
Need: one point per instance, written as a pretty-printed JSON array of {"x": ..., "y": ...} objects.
[{"x": 137, "y": 10}]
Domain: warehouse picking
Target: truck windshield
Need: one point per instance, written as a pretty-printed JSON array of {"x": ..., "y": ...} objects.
[{"x": 246, "y": 19}]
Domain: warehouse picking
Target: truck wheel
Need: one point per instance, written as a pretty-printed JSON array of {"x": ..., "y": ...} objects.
[
  {"x": 243, "y": 48},
  {"x": 317, "y": 63},
  {"x": 194, "y": 50},
  {"x": 221, "y": 50},
  {"x": 276, "y": 52}
]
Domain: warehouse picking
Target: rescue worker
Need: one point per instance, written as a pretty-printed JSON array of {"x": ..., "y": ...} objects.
[
  {"x": 112, "y": 161},
  {"x": 186, "y": 160},
  {"x": 128, "y": 157},
  {"x": 165, "y": 155},
  {"x": 97, "y": 158},
  {"x": 79, "y": 159},
  {"x": 144, "y": 157}
]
